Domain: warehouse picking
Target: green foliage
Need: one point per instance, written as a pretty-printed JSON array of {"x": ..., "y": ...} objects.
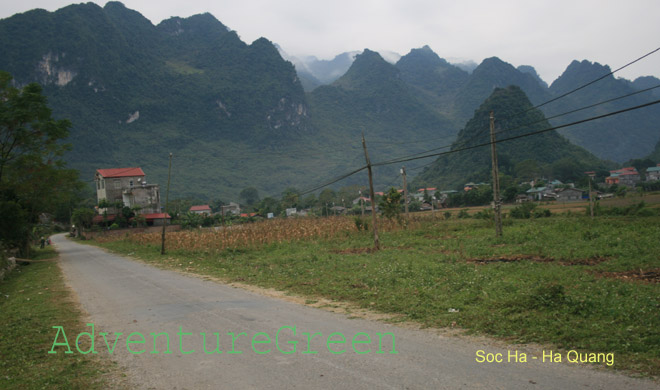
[
  {"x": 463, "y": 214},
  {"x": 361, "y": 223},
  {"x": 390, "y": 204},
  {"x": 524, "y": 211},
  {"x": 249, "y": 196},
  {"x": 32, "y": 175},
  {"x": 485, "y": 214},
  {"x": 638, "y": 209}
]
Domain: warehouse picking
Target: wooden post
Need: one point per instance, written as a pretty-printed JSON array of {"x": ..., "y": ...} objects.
[
  {"x": 167, "y": 200},
  {"x": 497, "y": 205},
  {"x": 371, "y": 193},
  {"x": 405, "y": 190}
]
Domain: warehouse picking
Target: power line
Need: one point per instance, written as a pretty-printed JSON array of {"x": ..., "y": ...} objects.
[
  {"x": 587, "y": 84},
  {"x": 544, "y": 103},
  {"x": 522, "y": 135},
  {"x": 579, "y": 109}
]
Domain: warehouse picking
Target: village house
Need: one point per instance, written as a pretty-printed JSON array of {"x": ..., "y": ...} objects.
[
  {"x": 628, "y": 177},
  {"x": 128, "y": 187},
  {"x": 232, "y": 208},
  {"x": 419, "y": 195},
  {"x": 653, "y": 173},
  {"x": 541, "y": 193},
  {"x": 201, "y": 209},
  {"x": 569, "y": 194}
]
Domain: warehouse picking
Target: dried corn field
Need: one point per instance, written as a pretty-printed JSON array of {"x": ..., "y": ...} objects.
[{"x": 252, "y": 234}]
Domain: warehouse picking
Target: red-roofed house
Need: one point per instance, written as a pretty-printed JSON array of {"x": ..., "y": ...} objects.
[
  {"x": 129, "y": 187},
  {"x": 203, "y": 209},
  {"x": 624, "y": 176}
]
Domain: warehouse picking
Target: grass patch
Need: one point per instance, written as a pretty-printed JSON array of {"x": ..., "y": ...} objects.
[
  {"x": 545, "y": 282},
  {"x": 33, "y": 298}
]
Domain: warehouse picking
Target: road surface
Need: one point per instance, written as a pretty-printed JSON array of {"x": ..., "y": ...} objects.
[{"x": 222, "y": 337}]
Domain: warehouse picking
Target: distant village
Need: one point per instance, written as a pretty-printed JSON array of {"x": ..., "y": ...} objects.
[{"x": 125, "y": 198}]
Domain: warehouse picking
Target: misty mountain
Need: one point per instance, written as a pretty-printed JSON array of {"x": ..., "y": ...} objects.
[
  {"x": 136, "y": 92},
  {"x": 236, "y": 115},
  {"x": 618, "y": 138}
]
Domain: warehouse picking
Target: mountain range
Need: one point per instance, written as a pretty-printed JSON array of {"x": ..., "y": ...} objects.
[{"x": 236, "y": 115}]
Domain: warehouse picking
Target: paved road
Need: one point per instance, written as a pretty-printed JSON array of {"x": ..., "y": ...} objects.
[{"x": 125, "y": 296}]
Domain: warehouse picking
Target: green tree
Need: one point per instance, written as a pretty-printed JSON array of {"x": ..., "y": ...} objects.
[
  {"x": 249, "y": 196},
  {"x": 390, "y": 204},
  {"x": 290, "y": 198},
  {"x": 32, "y": 174},
  {"x": 82, "y": 219},
  {"x": 27, "y": 131}
]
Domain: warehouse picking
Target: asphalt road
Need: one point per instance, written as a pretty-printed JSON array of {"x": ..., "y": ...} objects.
[{"x": 128, "y": 297}]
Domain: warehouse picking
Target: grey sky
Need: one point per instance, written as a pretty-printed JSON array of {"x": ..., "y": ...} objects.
[{"x": 545, "y": 34}]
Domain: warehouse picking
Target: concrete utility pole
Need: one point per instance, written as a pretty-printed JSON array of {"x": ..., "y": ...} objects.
[
  {"x": 371, "y": 193},
  {"x": 497, "y": 204},
  {"x": 405, "y": 190},
  {"x": 167, "y": 200},
  {"x": 591, "y": 200}
]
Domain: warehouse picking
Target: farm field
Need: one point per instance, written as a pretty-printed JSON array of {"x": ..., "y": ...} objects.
[{"x": 567, "y": 281}]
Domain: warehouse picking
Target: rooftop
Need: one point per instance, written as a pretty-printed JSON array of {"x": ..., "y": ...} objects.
[{"x": 120, "y": 172}]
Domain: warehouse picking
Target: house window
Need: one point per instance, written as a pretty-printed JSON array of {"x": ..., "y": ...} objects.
[
  {"x": 130, "y": 183},
  {"x": 117, "y": 184},
  {"x": 102, "y": 184},
  {"x": 98, "y": 185}
]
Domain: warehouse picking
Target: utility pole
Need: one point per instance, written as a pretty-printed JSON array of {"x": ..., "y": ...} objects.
[
  {"x": 496, "y": 180},
  {"x": 361, "y": 202},
  {"x": 371, "y": 193},
  {"x": 167, "y": 200},
  {"x": 405, "y": 190},
  {"x": 591, "y": 200}
]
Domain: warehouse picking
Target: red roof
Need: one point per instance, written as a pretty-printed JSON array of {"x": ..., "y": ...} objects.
[
  {"x": 120, "y": 172},
  {"x": 156, "y": 216},
  {"x": 427, "y": 189},
  {"x": 625, "y": 170},
  {"x": 246, "y": 215},
  {"x": 201, "y": 208}
]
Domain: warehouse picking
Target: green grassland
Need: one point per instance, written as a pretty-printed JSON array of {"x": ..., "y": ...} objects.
[
  {"x": 33, "y": 299},
  {"x": 565, "y": 282}
]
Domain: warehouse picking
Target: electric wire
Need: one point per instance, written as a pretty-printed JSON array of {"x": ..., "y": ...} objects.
[{"x": 521, "y": 136}]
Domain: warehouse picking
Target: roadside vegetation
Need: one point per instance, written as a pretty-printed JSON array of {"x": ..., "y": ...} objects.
[
  {"x": 563, "y": 280},
  {"x": 33, "y": 299}
]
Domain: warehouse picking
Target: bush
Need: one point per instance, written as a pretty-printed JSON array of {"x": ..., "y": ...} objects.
[
  {"x": 463, "y": 214},
  {"x": 361, "y": 223},
  {"x": 541, "y": 213},
  {"x": 486, "y": 214},
  {"x": 114, "y": 226},
  {"x": 447, "y": 215},
  {"x": 524, "y": 211}
]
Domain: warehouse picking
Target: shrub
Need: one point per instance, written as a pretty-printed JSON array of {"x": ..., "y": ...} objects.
[
  {"x": 463, "y": 214},
  {"x": 541, "y": 213},
  {"x": 361, "y": 223},
  {"x": 524, "y": 211},
  {"x": 486, "y": 214}
]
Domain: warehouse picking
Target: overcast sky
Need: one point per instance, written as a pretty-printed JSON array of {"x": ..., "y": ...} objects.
[{"x": 545, "y": 34}]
